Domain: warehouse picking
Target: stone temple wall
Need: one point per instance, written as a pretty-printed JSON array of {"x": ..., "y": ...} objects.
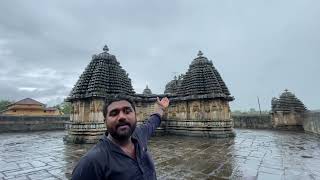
[
  {"x": 10, "y": 123},
  {"x": 86, "y": 121},
  {"x": 287, "y": 120},
  {"x": 143, "y": 110},
  {"x": 252, "y": 121},
  {"x": 210, "y": 118},
  {"x": 312, "y": 122}
]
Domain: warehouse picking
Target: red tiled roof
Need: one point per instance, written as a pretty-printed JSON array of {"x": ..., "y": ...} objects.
[{"x": 28, "y": 101}]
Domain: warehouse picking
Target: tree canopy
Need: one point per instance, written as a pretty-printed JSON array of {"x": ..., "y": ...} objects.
[
  {"x": 64, "y": 107},
  {"x": 4, "y": 104}
]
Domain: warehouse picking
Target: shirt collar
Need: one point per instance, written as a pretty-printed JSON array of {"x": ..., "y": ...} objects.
[{"x": 115, "y": 147}]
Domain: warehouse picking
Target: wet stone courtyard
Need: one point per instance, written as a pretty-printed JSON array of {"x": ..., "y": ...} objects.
[{"x": 252, "y": 154}]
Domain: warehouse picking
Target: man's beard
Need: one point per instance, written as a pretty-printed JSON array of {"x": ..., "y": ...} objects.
[{"x": 122, "y": 135}]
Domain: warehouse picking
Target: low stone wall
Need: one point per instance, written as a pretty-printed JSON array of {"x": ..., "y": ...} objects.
[
  {"x": 312, "y": 122},
  {"x": 32, "y": 123},
  {"x": 252, "y": 121}
]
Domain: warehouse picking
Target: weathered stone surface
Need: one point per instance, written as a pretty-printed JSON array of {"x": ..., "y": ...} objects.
[
  {"x": 312, "y": 122},
  {"x": 261, "y": 154},
  {"x": 210, "y": 118},
  {"x": 86, "y": 121},
  {"x": 262, "y": 121},
  {"x": 205, "y": 117}
]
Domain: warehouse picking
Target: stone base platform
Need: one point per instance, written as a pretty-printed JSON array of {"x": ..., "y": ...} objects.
[
  {"x": 84, "y": 133},
  {"x": 200, "y": 128},
  {"x": 196, "y": 128}
]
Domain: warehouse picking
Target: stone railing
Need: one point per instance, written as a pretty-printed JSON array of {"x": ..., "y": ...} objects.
[{"x": 32, "y": 123}]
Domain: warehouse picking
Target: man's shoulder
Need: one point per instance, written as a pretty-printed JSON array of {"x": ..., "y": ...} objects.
[
  {"x": 98, "y": 152},
  {"x": 93, "y": 164}
]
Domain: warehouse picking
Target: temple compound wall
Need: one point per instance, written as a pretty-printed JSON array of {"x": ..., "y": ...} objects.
[
  {"x": 287, "y": 113},
  {"x": 311, "y": 122},
  {"x": 256, "y": 121},
  {"x": 10, "y": 123}
]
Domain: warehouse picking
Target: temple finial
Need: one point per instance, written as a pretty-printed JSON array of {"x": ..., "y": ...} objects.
[
  {"x": 200, "y": 54},
  {"x": 105, "y": 48}
]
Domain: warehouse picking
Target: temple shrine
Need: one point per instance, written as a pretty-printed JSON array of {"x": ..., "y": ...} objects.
[
  {"x": 199, "y": 100},
  {"x": 287, "y": 111}
]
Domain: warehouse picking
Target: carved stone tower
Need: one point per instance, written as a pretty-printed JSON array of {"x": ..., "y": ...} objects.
[
  {"x": 102, "y": 78},
  {"x": 200, "y": 102},
  {"x": 287, "y": 111}
]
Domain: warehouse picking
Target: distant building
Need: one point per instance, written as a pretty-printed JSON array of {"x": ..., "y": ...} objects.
[{"x": 29, "y": 107}]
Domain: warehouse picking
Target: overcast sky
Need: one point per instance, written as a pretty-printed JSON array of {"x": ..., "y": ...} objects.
[{"x": 259, "y": 47}]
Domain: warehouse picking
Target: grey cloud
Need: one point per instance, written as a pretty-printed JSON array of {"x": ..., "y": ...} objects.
[{"x": 259, "y": 47}]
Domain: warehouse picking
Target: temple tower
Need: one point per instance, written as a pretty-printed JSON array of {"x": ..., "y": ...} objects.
[
  {"x": 200, "y": 102},
  {"x": 287, "y": 111},
  {"x": 147, "y": 91},
  {"x": 173, "y": 85},
  {"x": 102, "y": 78}
]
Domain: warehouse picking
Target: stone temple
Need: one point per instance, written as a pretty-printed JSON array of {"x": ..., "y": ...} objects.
[
  {"x": 199, "y": 100},
  {"x": 287, "y": 111},
  {"x": 103, "y": 77}
]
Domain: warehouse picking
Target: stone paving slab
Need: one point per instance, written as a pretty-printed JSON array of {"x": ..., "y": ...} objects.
[{"x": 252, "y": 154}]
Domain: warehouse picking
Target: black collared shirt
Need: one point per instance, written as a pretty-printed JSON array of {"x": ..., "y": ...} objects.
[{"x": 106, "y": 160}]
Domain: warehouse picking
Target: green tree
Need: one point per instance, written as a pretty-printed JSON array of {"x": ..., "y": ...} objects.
[
  {"x": 4, "y": 104},
  {"x": 64, "y": 107}
]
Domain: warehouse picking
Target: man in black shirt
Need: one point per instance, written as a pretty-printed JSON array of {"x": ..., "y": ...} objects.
[{"x": 122, "y": 152}]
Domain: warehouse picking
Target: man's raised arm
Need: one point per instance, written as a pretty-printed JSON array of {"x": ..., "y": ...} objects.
[{"x": 154, "y": 121}]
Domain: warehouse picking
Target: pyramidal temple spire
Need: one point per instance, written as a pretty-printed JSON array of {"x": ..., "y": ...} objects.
[{"x": 105, "y": 48}]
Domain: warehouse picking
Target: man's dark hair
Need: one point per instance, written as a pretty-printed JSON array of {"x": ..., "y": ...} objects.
[{"x": 115, "y": 98}]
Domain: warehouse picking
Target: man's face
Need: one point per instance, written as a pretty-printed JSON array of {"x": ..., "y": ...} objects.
[{"x": 120, "y": 120}]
